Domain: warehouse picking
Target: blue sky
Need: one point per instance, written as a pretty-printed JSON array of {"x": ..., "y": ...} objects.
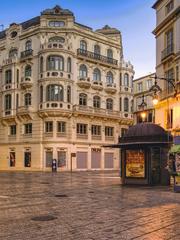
[{"x": 134, "y": 18}]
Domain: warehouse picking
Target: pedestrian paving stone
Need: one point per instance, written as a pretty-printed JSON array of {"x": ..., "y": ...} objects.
[{"x": 85, "y": 206}]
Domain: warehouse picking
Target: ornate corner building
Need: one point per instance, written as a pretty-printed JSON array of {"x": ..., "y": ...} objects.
[
  {"x": 65, "y": 91},
  {"x": 167, "y": 33}
]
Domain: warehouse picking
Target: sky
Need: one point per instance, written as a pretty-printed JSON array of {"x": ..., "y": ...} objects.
[{"x": 134, "y": 18}]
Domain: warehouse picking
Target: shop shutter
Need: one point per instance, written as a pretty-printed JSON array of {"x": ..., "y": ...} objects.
[
  {"x": 95, "y": 159},
  {"x": 81, "y": 158},
  {"x": 49, "y": 156},
  {"x": 108, "y": 160}
]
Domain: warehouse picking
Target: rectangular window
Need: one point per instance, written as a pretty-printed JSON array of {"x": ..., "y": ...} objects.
[
  {"x": 149, "y": 84},
  {"x": 109, "y": 131},
  {"x": 81, "y": 128},
  {"x": 28, "y": 128},
  {"x": 169, "y": 117},
  {"x": 27, "y": 159},
  {"x": 169, "y": 6},
  {"x": 12, "y": 130},
  {"x": 12, "y": 159},
  {"x": 169, "y": 75},
  {"x": 49, "y": 127},
  {"x": 169, "y": 40},
  {"x": 61, "y": 127},
  {"x": 49, "y": 157},
  {"x": 139, "y": 87},
  {"x": 96, "y": 130},
  {"x": 61, "y": 159}
]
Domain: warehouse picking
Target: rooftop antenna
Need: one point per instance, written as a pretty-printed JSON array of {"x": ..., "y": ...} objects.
[{"x": 2, "y": 26}]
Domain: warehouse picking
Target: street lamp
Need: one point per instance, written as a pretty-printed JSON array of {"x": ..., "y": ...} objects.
[{"x": 142, "y": 106}]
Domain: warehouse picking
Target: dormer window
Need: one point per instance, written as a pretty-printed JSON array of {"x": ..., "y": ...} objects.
[{"x": 56, "y": 24}]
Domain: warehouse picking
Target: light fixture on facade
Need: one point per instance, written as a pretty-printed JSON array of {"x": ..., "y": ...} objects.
[{"x": 155, "y": 99}]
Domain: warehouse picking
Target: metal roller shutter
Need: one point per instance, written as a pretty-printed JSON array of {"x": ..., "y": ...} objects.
[
  {"x": 81, "y": 158},
  {"x": 108, "y": 160},
  {"x": 95, "y": 159}
]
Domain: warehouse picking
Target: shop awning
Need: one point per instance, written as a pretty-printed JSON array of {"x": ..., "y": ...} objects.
[{"x": 175, "y": 149}]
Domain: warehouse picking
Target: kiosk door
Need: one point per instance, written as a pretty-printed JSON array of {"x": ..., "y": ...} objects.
[{"x": 156, "y": 166}]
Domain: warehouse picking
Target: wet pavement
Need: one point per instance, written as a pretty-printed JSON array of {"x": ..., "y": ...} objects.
[{"x": 84, "y": 206}]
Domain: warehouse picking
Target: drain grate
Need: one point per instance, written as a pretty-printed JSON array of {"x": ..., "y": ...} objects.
[
  {"x": 44, "y": 182},
  {"x": 44, "y": 218},
  {"x": 61, "y": 195},
  {"x": 91, "y": 192}
]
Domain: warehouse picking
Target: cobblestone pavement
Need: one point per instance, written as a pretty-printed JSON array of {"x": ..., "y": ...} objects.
[{"x": 84, "y": 206}]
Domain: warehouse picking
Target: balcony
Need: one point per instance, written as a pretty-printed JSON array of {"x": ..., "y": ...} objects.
[
  {"x": 84, "y": 82},
  {"x": 55, "y": 74},
  {"x": 26, "y": 82},
  {"x": 54, "y": 108},
  {"x": 101, "y": 112},
  {"x": 96, "y": 57},
  {"x": 110, "y": 88},
  {"x": 27, "y": 54},
  {"x": 9, "y": 61},
  {"x": 167, "y": 52},
  {"x": 97, "y": 85}
]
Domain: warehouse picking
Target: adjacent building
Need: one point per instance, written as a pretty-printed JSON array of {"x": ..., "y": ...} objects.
[
  {"x": 65, "y": 90},
  {"x": 143, "y": 104},
  {"x": 167, "y": 33}
]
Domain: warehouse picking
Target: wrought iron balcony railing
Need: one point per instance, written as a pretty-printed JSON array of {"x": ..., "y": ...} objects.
[
  {"x": 167, "y": 51},
  {"x": 26, "y": 53},
  {"x": 96, "y": 56}
]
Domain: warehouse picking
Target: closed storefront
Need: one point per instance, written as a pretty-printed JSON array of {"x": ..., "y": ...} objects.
[
  {"x": 81, "y": 159},
  {"x": 61, "y": 159},
  {"x": 49, "y": 157},
  {"x": 108, "y": 160},
  {"x": 95, "y": 158}
]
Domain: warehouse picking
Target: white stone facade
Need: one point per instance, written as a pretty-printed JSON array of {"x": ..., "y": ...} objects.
[{"x": 62, "y": 94}]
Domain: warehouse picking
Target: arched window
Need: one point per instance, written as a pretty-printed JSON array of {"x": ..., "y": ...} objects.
[
  {"x": 82, "y": 99},
  {"x": 8, "y": 76},
  {"x": 68, "y": 94},
  {"x": 57, "y": 39},
  {"x": 13, "y": 53},
  {"x": 28, "y": 71},
  {"x": 126, "y": 79},
  {"x": 97, "y": 49},
  {"x": 82, "y": 71},
  {"x": 28, "y": 45},
  {"x": 54, "y": 93},
  {"x": 27, "y": 99},
  {"x": 83, "y": 45},
  {"x": 126, "y": 105},
  {"x": 7, "y": 102},
  {"x": 69, "y": 65},
  {"x": 97, "y": 75},
  {"x": 41, "y": 94},
  {"x": 109, "y": 77},
  {"x": 55, "y": 63},
  {"x": 110, "y": 53},
  {"x": 96, "y": 102},
  {"x": 41, "y": 64},
  {"x": 109, "y": 104}
]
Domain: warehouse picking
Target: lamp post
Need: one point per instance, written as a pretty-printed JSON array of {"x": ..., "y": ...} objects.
[{"x": 142, "y": 107}]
